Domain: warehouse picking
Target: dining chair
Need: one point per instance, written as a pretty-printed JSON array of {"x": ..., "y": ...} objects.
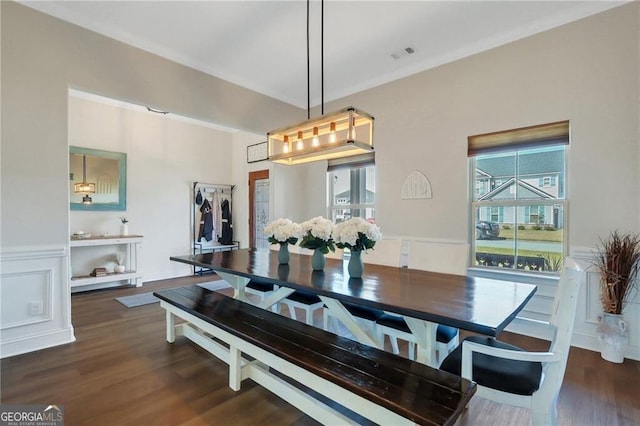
[
  {"x": 386, "y": 252},
  {"x": 307, "y": 302},
  {"x": 443, "y": 257},
  {"x": 510, "y": 375},
  {"x": 262, "y": 290}
]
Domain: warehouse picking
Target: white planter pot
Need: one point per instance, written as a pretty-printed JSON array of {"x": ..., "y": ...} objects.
[
  {"x": 124, "y": 229},
  {"x": 118, "y": 269},
  {"x": 613, "y": 334}
]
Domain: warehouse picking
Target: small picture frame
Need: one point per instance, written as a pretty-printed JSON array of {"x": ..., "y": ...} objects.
[{"x": 257, "y": 152}]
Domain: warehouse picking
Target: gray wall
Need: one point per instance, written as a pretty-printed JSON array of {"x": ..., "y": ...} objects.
[{"x": 41, "y": 58}]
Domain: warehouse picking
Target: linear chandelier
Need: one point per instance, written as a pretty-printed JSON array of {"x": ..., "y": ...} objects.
[{"x": 340, "y": 134}]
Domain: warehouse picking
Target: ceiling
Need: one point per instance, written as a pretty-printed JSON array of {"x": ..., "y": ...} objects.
[{"x": 261, "y": 45}]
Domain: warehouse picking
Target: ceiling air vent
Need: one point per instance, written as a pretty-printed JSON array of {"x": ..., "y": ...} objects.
[{"x": 409, "y": 50}]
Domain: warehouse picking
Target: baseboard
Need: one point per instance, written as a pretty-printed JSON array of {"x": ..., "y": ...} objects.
[{"x": 36, "y": 342}]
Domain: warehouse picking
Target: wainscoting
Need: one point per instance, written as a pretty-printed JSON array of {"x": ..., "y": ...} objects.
[
  {"x": 588, "y": 310},
  {"x": 36, "y": 299}
]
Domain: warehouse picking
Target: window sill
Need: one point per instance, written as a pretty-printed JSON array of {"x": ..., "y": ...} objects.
[{"x": 512, "y": 275}]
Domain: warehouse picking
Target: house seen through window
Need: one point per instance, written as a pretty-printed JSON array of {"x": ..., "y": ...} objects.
[
  {"x": 519, "y": 203},
  {"x": 352, "y": 190}
]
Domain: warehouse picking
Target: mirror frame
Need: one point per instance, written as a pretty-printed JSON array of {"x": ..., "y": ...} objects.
[{"x": 121, "y": 157}]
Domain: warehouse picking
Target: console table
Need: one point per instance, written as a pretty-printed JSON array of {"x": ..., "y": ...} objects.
[{"x": 80, "y": 247}]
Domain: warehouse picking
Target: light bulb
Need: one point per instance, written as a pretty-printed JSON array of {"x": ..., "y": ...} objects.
[
  {"x": 332, "y": 132},
  {"x": 353, "y": 130},
  {"x": 286, "y": 147},
  {"x": 315, "y": 141},
  {"x": 300, "y": 142}
]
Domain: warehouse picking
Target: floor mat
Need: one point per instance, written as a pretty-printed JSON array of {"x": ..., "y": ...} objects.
[{"x": 148, "y": 298}]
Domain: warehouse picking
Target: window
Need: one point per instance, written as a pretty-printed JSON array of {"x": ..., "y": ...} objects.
[
  {"x": 520, "y": 221},
  {"x": 352, "y": 189}
]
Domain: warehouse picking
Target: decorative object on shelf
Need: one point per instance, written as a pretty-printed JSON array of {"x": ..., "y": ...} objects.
[
  {"x": 357, "y": 235},
  {"x": 283, "y": 232},
  {"x": 99, "y": 272},
  {"x": 124, "y": 228},
  {"x": 119, "y": 268},
  {"x": 317, "y": 236},
  {"x": 617, "y": 262},
  {"x": 80, "y": 235},
  {"x": 341, "y": 134}
]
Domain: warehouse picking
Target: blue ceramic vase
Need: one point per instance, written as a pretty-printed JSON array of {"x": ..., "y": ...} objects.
[
  {"x": 283, "y": 254},
  {"x": 355, "y": 266},
  {"x": 317, "y": 260}
]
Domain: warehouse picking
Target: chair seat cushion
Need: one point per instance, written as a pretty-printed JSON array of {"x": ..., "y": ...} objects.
[
  {"x": 444, "y": 333},
  {"x": 304, "y": 297},
  {"x": 258, "y": 286},
  {"x": 359, "y": 311},
  {"x": 517, "y": 377}
]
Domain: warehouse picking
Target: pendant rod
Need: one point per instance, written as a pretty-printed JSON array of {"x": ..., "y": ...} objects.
[
  {"x": 322, "y": 56},
  {"x": 308, "y": 69}
]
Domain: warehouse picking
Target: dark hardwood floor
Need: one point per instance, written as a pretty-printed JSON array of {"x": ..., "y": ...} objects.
[{"x": 121, "y": 371}]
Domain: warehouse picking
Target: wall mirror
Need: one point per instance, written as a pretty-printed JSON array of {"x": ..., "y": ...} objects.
[{"x": 97, "y": 179}]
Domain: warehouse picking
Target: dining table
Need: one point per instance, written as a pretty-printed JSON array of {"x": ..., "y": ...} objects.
[{"x": 423, "y": 298}]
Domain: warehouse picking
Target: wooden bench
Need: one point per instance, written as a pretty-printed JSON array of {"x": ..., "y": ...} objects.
[{"x": 380, "y": 386}]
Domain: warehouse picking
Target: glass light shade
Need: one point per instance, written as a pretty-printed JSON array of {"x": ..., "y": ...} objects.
[
  {"x": 84, "y": 187},
  {"x": 342, "y": 124},
  {"x": 285, "y": 146},
  {"x": 300, "y": 142}
]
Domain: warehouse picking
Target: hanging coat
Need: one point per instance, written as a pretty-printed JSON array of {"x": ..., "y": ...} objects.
[
  {"x": 227, "y": 227},
  {"x": 206, "y": 225},
  {"x": 216, "y": 213}
]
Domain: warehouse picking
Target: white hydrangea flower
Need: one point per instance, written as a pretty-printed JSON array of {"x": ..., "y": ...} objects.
[
  {"x": 282, "y": 230},
  {"x": 356, "y": 234},
  {"x": 319, "y": 227}
]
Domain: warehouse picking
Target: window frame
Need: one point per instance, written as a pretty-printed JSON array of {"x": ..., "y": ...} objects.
[
  {"x": 541, "y": 204},
  {"x": 353, "y": 167}
]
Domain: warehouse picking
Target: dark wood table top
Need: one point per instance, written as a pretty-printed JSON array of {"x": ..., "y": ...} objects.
[{"x": 475, "y": 304}]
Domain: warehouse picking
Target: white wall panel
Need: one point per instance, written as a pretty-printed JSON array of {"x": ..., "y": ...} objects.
[{"x": 34, "y": 275}]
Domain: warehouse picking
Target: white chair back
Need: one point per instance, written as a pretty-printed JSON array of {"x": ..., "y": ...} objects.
[
  {"x": 444, "y": 257},
  {"x": 563, "y": 316},
  {"x": 385, "y": 252}
]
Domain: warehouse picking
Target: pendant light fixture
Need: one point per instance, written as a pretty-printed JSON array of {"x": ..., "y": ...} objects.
[
  {"x": 340, "y": 134},
  {"x": 85, "y": 187}
]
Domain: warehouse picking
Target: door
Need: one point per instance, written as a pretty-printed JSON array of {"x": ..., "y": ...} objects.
[{"x": 258, "y": 208}]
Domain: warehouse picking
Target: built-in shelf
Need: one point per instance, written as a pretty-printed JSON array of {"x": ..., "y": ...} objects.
[{"x": 132, "y": 275}]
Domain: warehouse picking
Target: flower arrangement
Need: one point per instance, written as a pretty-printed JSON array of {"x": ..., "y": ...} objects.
[
  {"x": 356, "y": 234},
  {"x": 316, "y": 234},
  {"x": 124, "y": 220},
  {"x": 617, "y": 261},
  {"x": 283, "y": 231}
]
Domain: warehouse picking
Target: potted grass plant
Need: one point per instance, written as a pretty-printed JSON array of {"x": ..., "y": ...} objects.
[{"x": 617, "y": 262}]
